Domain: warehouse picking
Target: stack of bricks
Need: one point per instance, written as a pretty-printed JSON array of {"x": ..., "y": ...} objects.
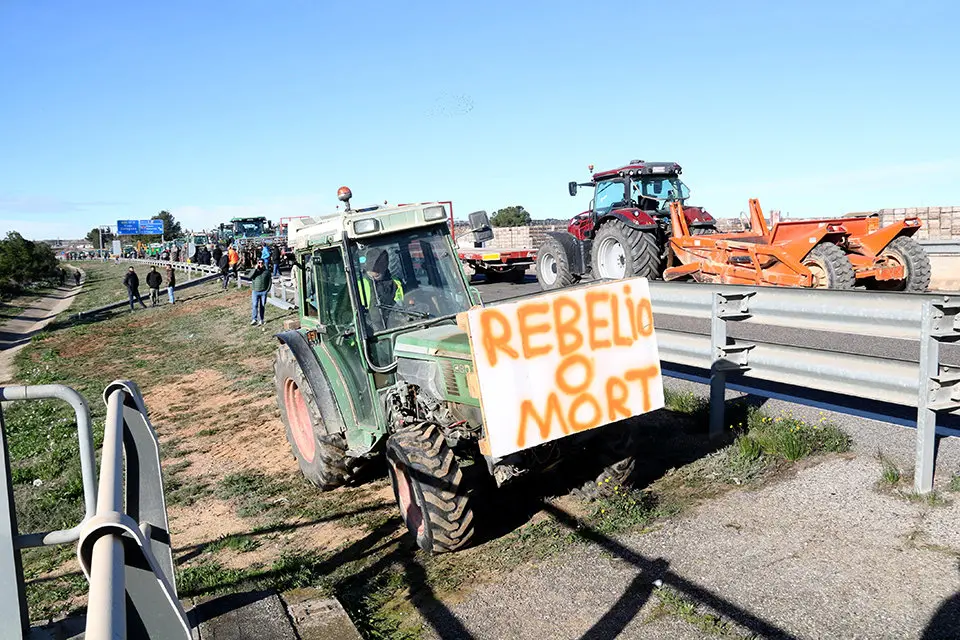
[{"x": 939, "y": 223}]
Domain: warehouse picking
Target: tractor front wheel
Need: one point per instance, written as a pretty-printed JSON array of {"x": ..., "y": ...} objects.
[
  {"x": 322, "y": 457},
  {"x": 622, "y": 252},
  {"x": 553, "y": 266},
  {"x": 906, "y": 251},
  {"x": 830, "y": 267},
  {"x": 428, "y": 485}
]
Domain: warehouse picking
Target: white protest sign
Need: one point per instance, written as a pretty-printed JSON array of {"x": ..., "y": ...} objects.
[{"x": 563, "y": 362}]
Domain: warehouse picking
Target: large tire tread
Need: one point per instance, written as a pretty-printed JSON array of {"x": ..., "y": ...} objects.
[
  {"x": 836, "y": 264},
  {"x": 331, "y": 467},
  {"x": 643, "y": 253},
  {"x": 438, "y": 483},
  {"x": 565, "y": 275},
  {"x": 915, "y": 260}
]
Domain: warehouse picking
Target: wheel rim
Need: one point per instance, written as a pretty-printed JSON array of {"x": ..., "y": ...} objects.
[
  {"x": 548, "y": 269},
  {"x": 409, "y": 509},
  {"x": 299, "y": 418},
  {"x": 894, "y": 260},
  {"x": 820, "y": 278},
  {"x": 611, "y": 260}
]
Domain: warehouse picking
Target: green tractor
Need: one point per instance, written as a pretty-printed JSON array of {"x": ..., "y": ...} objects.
[{"x": 379, "y": 366}]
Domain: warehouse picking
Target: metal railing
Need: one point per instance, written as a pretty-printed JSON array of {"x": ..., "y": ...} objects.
[
  {"x": 905, "y": 392},
  {"x": 122, "y": 541},
  {"x": 941, "y": 247}
]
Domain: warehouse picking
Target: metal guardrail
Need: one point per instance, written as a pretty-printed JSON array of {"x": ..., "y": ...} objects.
[
  {"x": 124, "y": 551},
  {"x": 886, "y": 314},
  {"x": 941, "y": 247},
  {"x": 850, "y": 383}
]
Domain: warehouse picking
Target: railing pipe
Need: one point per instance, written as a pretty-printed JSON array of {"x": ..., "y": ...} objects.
[
  {"x": 107, "y": 600},
  {"x": 87, "y": 459}
]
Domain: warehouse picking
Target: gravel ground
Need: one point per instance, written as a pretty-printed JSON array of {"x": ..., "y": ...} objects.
[{"x": 822, "y": 554}]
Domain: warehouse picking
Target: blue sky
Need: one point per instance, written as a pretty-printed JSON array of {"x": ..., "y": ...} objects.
[{"x": 114, "y": 110}]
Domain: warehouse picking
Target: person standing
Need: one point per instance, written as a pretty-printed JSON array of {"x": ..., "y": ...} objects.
[
  {"x": 176, "y": 253},
  {"x": 132, "y": 282},
  {"x": 224, "y": 265},
  {"x": 62, "y": 275},
  {"x": 217, "y": 252},
  {"x": 265, "y": 254},
  {"x": 260, "y": 283},
  {"x": 154, "y": 280},
  {"x": 234, "y": 258},
  {"x": 275, "y": 259},
  {"x": 171, "y": 283},
  {"x": 76, "y": 276}
]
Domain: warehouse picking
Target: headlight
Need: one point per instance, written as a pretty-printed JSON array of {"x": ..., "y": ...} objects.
[
  {"x": 369, "y": 225},
  {"x": 434, "y": 213}
]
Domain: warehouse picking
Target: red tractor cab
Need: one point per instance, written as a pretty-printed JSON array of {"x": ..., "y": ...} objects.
[{"x": 626, "y": 230}]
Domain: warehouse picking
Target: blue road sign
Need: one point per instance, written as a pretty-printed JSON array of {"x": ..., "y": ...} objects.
[
  {"x": 128, "y": 227},
  {"x": 151, "y": 227}
]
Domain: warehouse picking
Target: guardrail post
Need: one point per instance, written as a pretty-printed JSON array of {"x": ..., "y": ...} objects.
[
  {"x": 939, "y": 385},
  {"x": 728, "y": 355},
  {"x": 13, "y": 600}
]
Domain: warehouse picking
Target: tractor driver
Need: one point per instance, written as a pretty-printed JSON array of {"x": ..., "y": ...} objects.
[{"x": 376, "y": 283}]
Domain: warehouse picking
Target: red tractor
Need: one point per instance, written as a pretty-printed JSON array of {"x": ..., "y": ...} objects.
[{"x": 626, "y": 230}]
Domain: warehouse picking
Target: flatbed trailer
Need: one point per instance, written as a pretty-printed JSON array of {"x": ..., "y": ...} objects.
[
  {"x": 498, "y": 264},
  {"x": 493, "y": 262}
]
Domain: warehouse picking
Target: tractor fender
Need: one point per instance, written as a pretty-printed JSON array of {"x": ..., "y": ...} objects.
[
  {"x": 317, "y": 379},
  {"x": 577, "y": 250},
  {"x": 697, "y": 217},
  {"x": 633, "y": 218}
]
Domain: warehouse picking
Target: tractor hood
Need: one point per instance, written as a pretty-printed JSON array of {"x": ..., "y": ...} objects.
[{"x": 443, "y": 341}]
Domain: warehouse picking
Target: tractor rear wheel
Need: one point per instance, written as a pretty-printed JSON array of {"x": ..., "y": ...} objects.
[
  {"x": 622, "y": 252},
  {"x": 553, "y": 266},
  {"x": 428, "y": 486},
  {"x": 906, "y": 251},
  {"x": 322, "y": 457},
  {"x": 830, "y": 267}
]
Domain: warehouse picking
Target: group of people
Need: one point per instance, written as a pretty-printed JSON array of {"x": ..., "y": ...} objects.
[
  {"x": 260, "y": 278},
  {"x": 154, "y": 280},
  {"x": 62, "y": 275}
]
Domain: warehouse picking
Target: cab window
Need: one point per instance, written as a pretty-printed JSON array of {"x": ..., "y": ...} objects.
[
  {"x": 335, "y": 308},
  {"x": 609, "y": 194}
]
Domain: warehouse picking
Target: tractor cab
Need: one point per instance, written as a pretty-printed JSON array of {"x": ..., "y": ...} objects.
[
  {"x": 625, "y": 230},
  {"x": 637, "y": 190},
  {"x": 248, "y": 227},
  {"x": 372, "y": 280}
]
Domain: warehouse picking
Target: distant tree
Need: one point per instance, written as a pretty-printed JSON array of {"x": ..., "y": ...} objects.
[
  {"x": 23, "y": 262},
  {"x": 93, "y": 237},
  {"x": 171, "y": 228},
  {"x": 515, "y": 216}
]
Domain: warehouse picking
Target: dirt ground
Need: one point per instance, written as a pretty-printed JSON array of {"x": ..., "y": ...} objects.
[{"x": 228, "y": 433}]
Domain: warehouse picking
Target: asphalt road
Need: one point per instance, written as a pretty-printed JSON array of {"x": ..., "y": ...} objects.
[{"x": 891, "y": 349}]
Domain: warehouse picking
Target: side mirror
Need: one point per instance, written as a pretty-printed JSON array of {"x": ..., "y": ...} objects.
[
  {"x": 480, "y": 225},
  {"x": 572, "y": 188},
  {"x": 479, "y": 221}
]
